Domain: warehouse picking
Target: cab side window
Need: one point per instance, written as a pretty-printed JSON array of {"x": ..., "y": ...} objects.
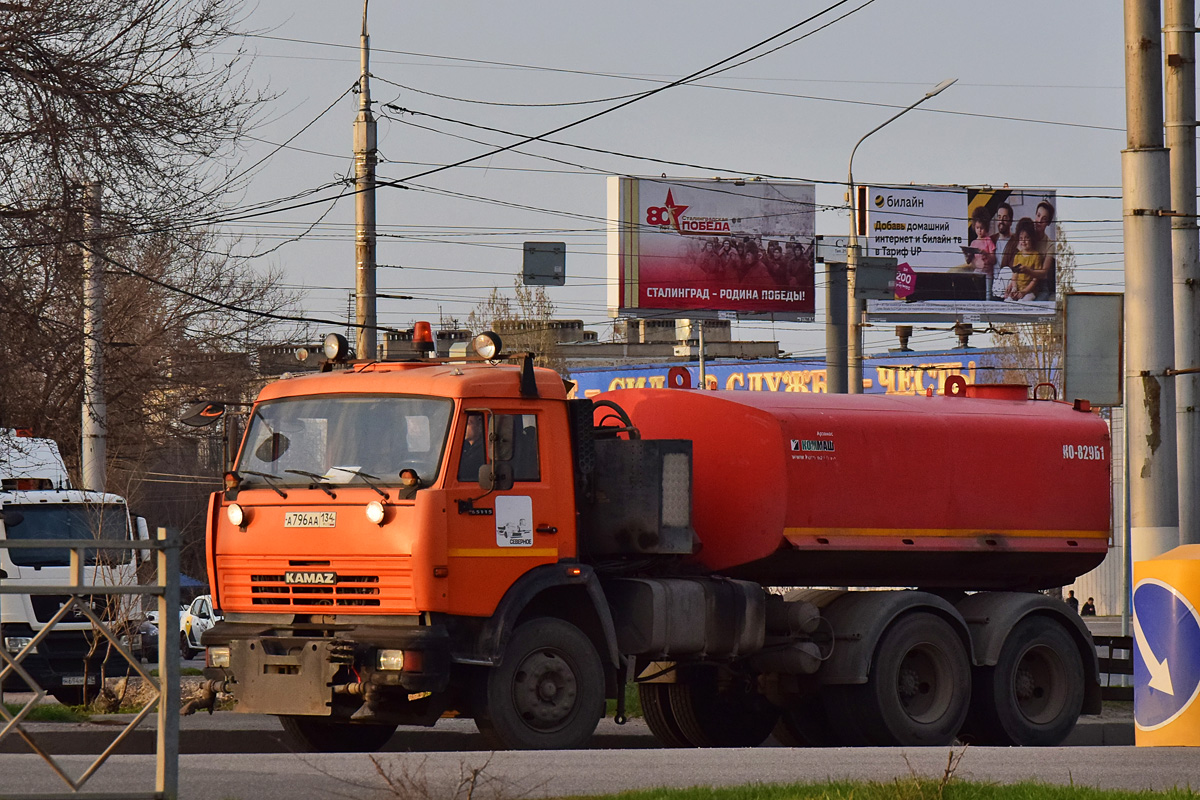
[
  {"x": 499, "y": 439},
  {"x": 474, "y": 453},
  {"x": 526, "y": 466}
]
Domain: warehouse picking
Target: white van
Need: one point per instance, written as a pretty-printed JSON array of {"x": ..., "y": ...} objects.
[{"x": 37, "y": 502}]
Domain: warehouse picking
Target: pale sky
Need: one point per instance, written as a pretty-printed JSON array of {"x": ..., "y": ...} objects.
[{"x": 1039, "y": 103}]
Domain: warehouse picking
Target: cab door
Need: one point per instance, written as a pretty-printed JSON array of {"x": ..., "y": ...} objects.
[{"x": 496, "y": 536}]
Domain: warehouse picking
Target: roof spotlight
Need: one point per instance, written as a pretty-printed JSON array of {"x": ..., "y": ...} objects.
[
  {"x": 486, "y": 345},
  {"x": 336, "y": 347}
]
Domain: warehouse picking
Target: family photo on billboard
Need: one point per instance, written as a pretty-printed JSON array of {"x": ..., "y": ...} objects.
[{"x": 1012, "y": 245}]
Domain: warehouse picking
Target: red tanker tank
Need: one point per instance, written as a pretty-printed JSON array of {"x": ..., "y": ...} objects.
[{"x": 985, "y": 490}]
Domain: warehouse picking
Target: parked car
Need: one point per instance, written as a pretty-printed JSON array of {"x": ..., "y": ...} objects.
[{"x": 198, "y": 618}]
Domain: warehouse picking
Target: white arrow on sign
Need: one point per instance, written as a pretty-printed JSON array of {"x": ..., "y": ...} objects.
[{"x": 1160, "y": 673}]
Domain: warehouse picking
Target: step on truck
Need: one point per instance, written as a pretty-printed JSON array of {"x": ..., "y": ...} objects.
[
  {"x": 37, "y": 501},
  {"x": 405, "y": 540}
]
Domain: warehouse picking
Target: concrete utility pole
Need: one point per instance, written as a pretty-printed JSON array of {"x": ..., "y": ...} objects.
[
  {"x": 95, "y": 414},
  {"x": 1149, "y": 344},
  {"x": 855, "y": 308},
  {"x": 1180, "y": 42},
  {"x": 364, "y": 206},
  {"x": 835, "y": 327}
]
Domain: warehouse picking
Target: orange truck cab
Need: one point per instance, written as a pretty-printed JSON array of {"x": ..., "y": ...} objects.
[{"x": 405, "y": 540}]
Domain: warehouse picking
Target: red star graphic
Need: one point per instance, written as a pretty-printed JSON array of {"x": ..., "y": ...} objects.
[{"x": 674, "y": 212}]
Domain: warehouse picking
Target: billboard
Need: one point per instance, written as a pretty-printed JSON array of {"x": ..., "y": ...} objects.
[
  {"x": 978, "y": 254},
  {"x": 709, "y": 248}
]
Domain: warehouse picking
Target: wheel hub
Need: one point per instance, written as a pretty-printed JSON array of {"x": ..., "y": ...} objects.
[{"x": 545, "y": 690}]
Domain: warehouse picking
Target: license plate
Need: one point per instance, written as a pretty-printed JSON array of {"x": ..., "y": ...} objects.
[
  {"x": 310, "y": 519},
  {"x": 77, "y": 680}
]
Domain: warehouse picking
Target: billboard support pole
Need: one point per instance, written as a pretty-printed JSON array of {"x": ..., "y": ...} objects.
[
  {"x": 854, "y": 306},
  {"x": 835, "y": 328},
  {"x": 1149, "y": 321},
  {"x": 700, "y": 347},
  {"x": 1180, "y": 42}
]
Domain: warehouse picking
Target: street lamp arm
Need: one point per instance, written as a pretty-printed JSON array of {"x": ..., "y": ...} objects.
[{"x": 934, "y": 92}]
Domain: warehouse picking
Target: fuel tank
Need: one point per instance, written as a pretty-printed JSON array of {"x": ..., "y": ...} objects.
[{"x": 985, "y": 490}]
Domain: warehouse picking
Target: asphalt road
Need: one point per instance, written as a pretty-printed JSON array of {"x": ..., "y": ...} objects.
[{"x": 559, "y": 773}]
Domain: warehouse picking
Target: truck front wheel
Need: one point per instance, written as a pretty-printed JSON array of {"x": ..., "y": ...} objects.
[
  {"x": 1034, "y": 693},
  {"x": 916, "y": 694},
  {"x": 320, "y": 735},
  {"x": 548, "y": 691}
]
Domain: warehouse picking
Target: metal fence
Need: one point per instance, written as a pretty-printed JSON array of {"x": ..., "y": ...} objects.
[
  {"x": 1115, "y": 654},
  {"x": 166, "y": 686}
]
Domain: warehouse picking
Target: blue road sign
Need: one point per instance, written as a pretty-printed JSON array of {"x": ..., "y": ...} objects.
[{"x": 1166, "y": 654}]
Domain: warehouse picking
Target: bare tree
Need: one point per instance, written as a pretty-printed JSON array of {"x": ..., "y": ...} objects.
[
  {"x": 524, "y": 321},
  {"x": 141, "y": 94},
  {"x": 1032, "y": 352}
]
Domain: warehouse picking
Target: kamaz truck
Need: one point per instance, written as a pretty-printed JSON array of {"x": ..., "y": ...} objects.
[{"x": 836, "y": 570}]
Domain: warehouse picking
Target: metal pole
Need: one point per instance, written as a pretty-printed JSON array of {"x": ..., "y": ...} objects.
[
  {"x": 167, "y": 766},
  {"x": 92, "y": 457},
  {"x": 365, "y": 156},
  {"x": 1180, "y": 41},
  {"x": 835, "y": 328},
  {"x": 700, "y": 347},
  {"x": 855, "y": 307},
  {"x": 1149, "y": 317}
]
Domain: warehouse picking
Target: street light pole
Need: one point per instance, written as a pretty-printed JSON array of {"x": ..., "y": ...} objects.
[{"x": 854, "y": 306}]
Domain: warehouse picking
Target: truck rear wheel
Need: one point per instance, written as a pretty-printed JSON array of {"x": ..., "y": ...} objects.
[
  {"x": 321, "y": 735},
  {"x": 916, "y": 694},
  {"x": 1034, "y": 693},
  {"x": 714, "y": 715},
  {"x": 656, "y": 710},
  {"x": 547, "y": 693}
]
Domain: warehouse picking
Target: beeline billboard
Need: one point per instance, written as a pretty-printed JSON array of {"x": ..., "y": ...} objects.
[
  {"x": 976, "y": 253},
  {"x": 707, "y": 248}
]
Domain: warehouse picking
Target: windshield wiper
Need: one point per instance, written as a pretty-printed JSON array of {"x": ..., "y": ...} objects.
[
  {"x": 368, "y": 479},
  {"x": 269, "y": 480},
  {"x": 317, "y": 480}
]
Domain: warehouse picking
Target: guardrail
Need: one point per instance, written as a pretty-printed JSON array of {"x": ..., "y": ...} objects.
[
  {"x": 166, "y": 700},
  {"x": 1115, "y": 654}
]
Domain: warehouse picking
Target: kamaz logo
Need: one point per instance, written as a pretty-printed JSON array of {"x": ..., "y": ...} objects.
[
  {"x": 818, "y": 445},
  {"x": 320, "y": 578}
]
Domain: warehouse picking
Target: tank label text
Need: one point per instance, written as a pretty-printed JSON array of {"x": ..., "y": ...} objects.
[{"x": 1083, "y": 452}]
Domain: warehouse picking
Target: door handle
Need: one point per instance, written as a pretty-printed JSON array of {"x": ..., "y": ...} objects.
[{"x": 547, "y": 529}]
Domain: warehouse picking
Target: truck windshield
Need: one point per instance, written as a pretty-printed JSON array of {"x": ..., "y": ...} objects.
[
  {"x": 337, "y": 436},
  {"x": 69, "y": 521}
]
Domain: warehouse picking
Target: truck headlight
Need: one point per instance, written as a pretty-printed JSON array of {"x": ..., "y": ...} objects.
[
  {"x": 375, "y": 512},
  {"x": 235, "y": 515},
  {"x": 218, "y": 656},
  {"x": 14, "y": 644},
  {"x": 390, "y": 659}
]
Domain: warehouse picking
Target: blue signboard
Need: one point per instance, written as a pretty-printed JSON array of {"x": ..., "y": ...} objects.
[
  {"x": 901, "y": 373},
  {"x": 1166, "y": 654}
]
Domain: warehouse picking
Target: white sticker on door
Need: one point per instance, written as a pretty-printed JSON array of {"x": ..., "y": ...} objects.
[{"x": 514, "y": 521}]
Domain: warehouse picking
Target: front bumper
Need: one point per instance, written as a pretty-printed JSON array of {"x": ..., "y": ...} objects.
[{"x": 303, "y": 669}]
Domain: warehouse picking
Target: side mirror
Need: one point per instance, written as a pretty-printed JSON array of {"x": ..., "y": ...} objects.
[
  {"x": 141, "y": 532},
  {"x": 13, "y": 518},
  {"x": 199, "y": 415},
  {"x": 496, "y": 477}
]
